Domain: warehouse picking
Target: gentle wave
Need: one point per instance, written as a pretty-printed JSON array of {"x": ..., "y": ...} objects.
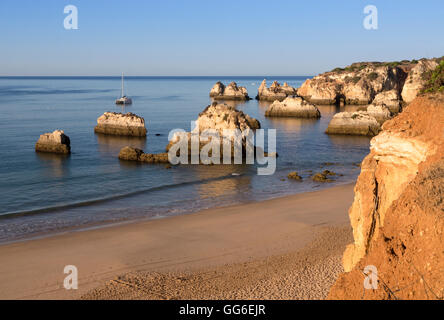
[{"x": 9, "y": 215}]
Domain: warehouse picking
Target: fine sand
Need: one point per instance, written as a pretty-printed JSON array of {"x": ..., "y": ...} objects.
[{"x": 285, "y": 248}]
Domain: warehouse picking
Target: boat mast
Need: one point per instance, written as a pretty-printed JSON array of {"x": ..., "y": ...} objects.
[{"x": 122, "y": 85}]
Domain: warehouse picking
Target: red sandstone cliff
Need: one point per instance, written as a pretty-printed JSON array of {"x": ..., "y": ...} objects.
[{"x": 398, "y": 211}]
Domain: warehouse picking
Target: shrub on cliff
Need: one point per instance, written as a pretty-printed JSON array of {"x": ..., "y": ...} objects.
[{"x": 435, "y": 79}]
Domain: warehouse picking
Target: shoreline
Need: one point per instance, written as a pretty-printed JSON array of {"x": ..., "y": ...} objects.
[
  {"x": 33, "y": 269},
  {"x": 108, "y": 224}
]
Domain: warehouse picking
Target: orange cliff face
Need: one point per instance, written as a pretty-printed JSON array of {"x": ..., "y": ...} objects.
[{"x": 398, "y": 210}]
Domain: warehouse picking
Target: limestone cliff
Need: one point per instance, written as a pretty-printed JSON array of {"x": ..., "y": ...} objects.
[
  {"x": 367, "y": 82},
  {"x": 398, "y": 210}
]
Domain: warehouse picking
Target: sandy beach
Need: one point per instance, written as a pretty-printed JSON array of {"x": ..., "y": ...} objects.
[{"x": 284, "y": 248}]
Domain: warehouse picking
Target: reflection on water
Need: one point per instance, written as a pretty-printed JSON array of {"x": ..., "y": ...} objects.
[
  {"x": 229, "y": 184},
  {"x": 329, "y": 110},
  {"x": 55, "y": 165},
  {"x": 264, "y": 104},
  {"x": 112, "y": 144},
  {"x": 291, "y": 124},
  {"x": 348, "y": 140}
]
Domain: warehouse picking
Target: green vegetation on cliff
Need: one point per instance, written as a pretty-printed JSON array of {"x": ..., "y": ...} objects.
[{"x": 435, "y": 79}]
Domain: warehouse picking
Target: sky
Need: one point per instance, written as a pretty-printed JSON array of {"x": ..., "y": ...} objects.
[{"x": 204, "y": 38}]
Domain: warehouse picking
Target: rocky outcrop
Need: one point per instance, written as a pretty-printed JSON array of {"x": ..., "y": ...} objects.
[
  {"x": 387, "y": 83},
  {"x": 391, "y": 99},
  {"x": 293, "y": 107},
  {"x": 275, "y": 92},
  {"x": 55, "y": 142},
  {"x": 223, "y": 120},
  {"x": 230, "y": 92},
  {"x": 415, "y": 80},
  {"x": 121, "y": 124},
  {"x": 353, "y": 123},
  {"x": 397, "y": 213},
  {"x": 380, "y": 112},
  {"x": 356, "y": 84},
  {"x": 134, "y": 154}
]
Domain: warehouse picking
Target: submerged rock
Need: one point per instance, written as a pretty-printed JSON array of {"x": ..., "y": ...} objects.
[
  {"x": 293, "y": 107},
  {"x": 321, "y": 177},
  {"x": 275, "y": 92},
  {"x": 55, "y": 142},
  {"x": 135, "y": 154},
  {"x": 353, "y": 123},
  {"x": 397, "y": 212},
  {"x": 230, "y": 92},
  {"x": 121, "y": 124},
  {"x": 294, "y": 176}
]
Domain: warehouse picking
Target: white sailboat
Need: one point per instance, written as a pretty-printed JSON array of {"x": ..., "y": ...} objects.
[{"x": 123, "y": 99}]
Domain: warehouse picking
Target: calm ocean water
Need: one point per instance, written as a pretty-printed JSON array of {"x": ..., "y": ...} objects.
[{"x": 43, "y": 193}]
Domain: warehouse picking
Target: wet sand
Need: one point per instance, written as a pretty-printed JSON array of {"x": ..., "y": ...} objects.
[{"x": 285, "y": 248}]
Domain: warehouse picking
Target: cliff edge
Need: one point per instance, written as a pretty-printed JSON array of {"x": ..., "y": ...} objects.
[{"x": 398, "y": 210}]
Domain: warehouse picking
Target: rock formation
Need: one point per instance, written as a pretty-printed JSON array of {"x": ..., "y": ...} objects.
[
  {"x": 230, "y": 92},
  {"x": 223, "y": 120},
  {"x": 134, "y": 154},
  {"x": 56, "y": 142},
  {"x": 121, "y": 124},
  {"x": 362, "y": 83},
  {"x": 415, "y": 80},
  {"x": 354, "y": 123},
  {"x": 275, "y": 92},
  {"x": 380, "y": 112},
  {"x": 293, "y": 107},
  {"x": 397, "y": 213},
  {"x": 391, "y": 99}
]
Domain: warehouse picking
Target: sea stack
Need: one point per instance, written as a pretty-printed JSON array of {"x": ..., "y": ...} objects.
[
  {"x": 230, "y": 92},
  {"x": 121, "y": 124},
  {"x": 275, "y": 92},
  {"x": 55, "y": 142},
  {"x": 223, "y": 120},
  {"x": 397, "y": 212},
  {"x": 293, "y": 107}
]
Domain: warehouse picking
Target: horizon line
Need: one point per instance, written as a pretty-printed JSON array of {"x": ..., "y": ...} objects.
[{"x": 144, "y": 76}]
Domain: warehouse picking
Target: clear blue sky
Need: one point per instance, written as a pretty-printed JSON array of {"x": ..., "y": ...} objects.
[{"x": 227, "y": 37}]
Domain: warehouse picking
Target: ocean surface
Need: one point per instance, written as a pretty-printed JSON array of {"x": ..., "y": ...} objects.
[{"x": 43, "y": 193}]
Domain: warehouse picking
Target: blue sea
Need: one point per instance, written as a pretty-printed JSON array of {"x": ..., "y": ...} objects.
[{"x": 42, "y": 194}]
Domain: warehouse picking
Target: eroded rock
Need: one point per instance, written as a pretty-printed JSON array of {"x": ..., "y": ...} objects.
[
  {"x": 415, "y": 81},
  {"x": 397, "y": 212},
  {"x": 230, "y": 92},
  {"x": 391, "y": 99},
  {"x": 121, "y": 124},
  {"x": 292, "y": 107},
  {"x": 55, "y": 142},
  {"x": 275, "y": 92},
  {"x": 353, "y": 123},
  {"x": 135, "y": 154}
]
